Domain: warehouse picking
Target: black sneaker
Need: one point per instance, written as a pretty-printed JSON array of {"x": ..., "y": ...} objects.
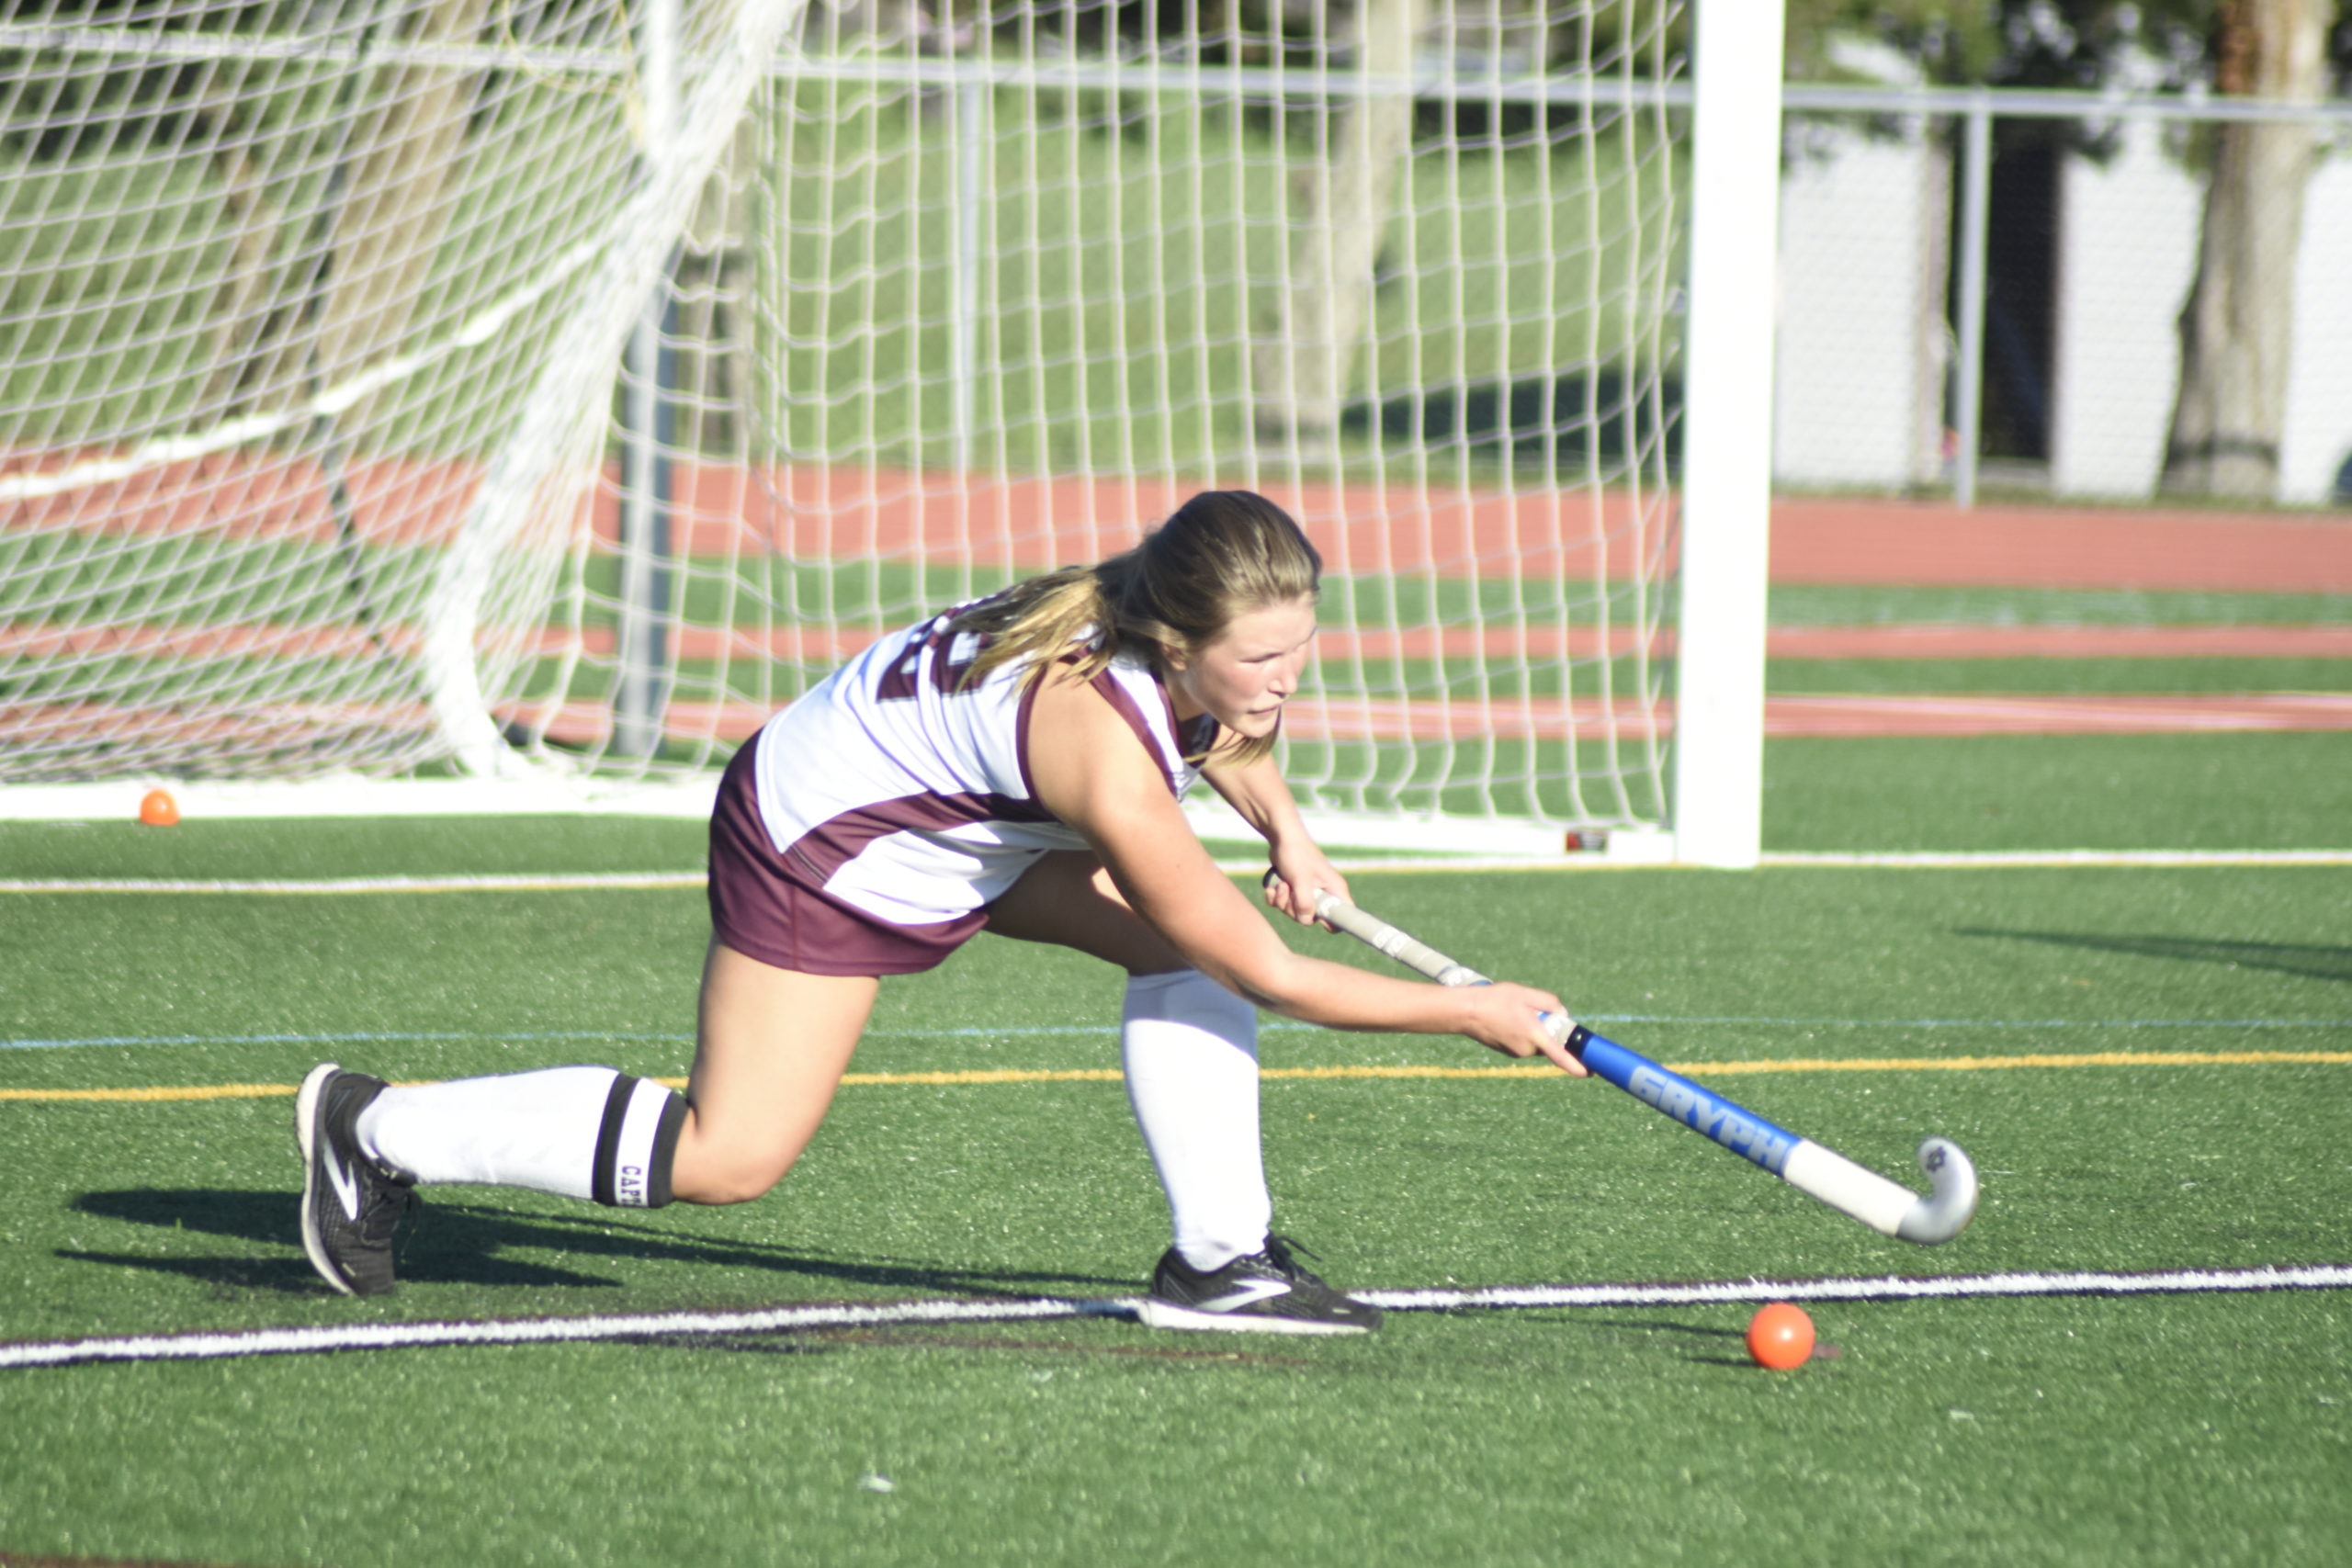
[
  {"x": 350, "y": 1204},
  {"x": 1266, "y": 1292}
]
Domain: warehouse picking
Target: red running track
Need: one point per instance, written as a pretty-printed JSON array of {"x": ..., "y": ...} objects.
[
  {"x": 815, "y": 512},
  {"x": 818, "y": 512}
]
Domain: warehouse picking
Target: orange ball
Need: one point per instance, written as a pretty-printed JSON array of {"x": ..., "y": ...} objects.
[
  {"x": 158, "y": 809},
  {"x": 1780, "y": 1335}
]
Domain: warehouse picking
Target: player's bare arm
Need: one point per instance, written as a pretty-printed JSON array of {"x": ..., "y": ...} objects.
[
  {"x": 1258, "y": 792},
  {"x": 1091, "y": 773}
]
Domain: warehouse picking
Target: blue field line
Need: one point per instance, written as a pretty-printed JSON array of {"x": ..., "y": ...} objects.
[{"x": 1108, "y": 1030}]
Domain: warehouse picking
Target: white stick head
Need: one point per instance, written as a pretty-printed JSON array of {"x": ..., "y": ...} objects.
[{"x": 1951, "y": 1202}]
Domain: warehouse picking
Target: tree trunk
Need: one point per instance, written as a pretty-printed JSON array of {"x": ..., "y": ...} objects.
[
  {"x": 1303, "y": 371},
  {"x": 1932, "y": 336},
  {"x": 2236, "y": 330},
  {"x": 385, "y": 224},
  {"x": 713, "y": 277}
]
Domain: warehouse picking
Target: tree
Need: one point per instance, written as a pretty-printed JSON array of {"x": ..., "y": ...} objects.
[
  {"x": 1341, "y": 201},
  {"x": 2236, "y": 330},
  {"x": 345, "y": 300}
]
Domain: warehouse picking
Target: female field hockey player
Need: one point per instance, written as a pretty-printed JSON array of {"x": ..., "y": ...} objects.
[{"x": 1015, "y": 763}]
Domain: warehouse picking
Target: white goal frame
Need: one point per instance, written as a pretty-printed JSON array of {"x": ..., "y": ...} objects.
[{"x": 1711, "y": 797}]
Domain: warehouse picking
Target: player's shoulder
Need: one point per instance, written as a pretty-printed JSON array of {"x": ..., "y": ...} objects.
[
  {"x": 1066, "y": 699},
  {"x": 1079, "y": 739}
]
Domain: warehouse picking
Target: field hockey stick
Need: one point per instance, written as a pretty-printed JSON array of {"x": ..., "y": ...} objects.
[{"x": 1852, "y": 1190}]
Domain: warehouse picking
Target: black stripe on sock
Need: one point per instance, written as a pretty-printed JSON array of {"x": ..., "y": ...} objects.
[
  {"x": 665, "y": 1151},
  {"x": 608, "y": 1140}
]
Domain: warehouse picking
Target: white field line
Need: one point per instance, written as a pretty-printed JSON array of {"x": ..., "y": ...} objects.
[
  {"x": 570, "y": 882},
  {"x": 575, "y": 1330},
  {"x": 540, "y": 1331},
  {"x": 1891, "y": 1288},
  {"x": 1104, "y": 1031},
  {"x": 1982, "y": 859},
  {"x": 554, "y": 882}
]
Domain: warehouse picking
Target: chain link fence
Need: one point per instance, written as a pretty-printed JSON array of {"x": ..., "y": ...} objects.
[{"x": 1983, "y": 292}]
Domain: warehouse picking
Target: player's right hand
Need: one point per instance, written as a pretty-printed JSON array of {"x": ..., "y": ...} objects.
[{"x": 1508, "y": 1018}]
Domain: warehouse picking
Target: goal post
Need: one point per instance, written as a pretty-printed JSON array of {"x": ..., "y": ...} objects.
[
  {"x": 1718, "y": 811},
  {"x": 725, "y": 334}
]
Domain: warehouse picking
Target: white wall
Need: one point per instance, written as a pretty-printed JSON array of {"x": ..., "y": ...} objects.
[
  {"x": 2318, "y": 437},
  {"x": 1860, "y": 362},
  {"x": 2127, "y": 254},
  {"x": 1863, "y": 346}
]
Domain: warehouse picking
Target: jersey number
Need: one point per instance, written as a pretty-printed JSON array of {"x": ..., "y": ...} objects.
[{"x": 949, "y": 674}]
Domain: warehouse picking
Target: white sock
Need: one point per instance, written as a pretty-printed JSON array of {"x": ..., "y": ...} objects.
[
  {"x": 1189, "y": 1048},
  {"x": 576, "y": 1131}
]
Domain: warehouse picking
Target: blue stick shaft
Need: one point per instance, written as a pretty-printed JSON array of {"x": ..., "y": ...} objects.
[
  {"x": 1854, "y": 1190},
  {"x": 1670, "y": 1094}
]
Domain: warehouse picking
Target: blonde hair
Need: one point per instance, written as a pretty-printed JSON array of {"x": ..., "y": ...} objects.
[{"x": 1221, "y": 555}]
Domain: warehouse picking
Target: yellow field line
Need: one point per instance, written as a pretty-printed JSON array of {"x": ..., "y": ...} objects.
[
  {"x": 192, "y": 1091},
  {"x": 1516, "y": 1070},
  {"x": 990, "y": 1075},
  {"x": 1983, "y": 1063}
]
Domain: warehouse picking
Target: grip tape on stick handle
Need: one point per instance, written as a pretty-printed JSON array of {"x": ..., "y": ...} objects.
[{"x": 1410, "y": 952}]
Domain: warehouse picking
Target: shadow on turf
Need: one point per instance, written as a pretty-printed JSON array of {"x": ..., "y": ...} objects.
[
  {"x": 1693, "y": 1330},
  {"x": 2307, "y": 959},
  {"x": 822, "y": 1342},
  {"x": 464, "y": 1244}
]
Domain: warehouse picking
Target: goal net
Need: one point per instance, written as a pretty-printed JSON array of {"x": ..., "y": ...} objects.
[{"x": 508, "y": 389}]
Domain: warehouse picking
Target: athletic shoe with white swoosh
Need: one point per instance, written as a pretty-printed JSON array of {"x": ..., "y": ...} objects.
[
  {"x": 1265, "y": 1292},
  {"x": 350, "y": 1203}
]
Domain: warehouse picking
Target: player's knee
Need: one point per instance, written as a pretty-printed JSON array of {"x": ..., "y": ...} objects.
[
  {"x": 711, "y": 1171},
  {"x": 738, "y": 1185}
]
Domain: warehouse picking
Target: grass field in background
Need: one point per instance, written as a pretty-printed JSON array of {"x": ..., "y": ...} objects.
[{"x": 2184, "y": 1428}]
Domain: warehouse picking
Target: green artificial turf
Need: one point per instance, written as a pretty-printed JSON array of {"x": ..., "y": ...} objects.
[
  {"x": 1535, "y": 1439},
  {"x": 2190, "y": 1430},
  {"x": 1845, "y": 605},
  {"x": 2129, "y": 792},
  {"x": 352, "y": 846},
  {"x": 2189, "y": 1027},
  {"x": 2060, "y": 676},
  {"x": 2053, "y": 792}
]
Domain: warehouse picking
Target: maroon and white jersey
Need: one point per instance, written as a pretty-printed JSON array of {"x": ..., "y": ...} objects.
[{"x": 896, "y": 790}]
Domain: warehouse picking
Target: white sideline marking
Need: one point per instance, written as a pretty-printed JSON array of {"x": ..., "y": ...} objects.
[
  {"x": 1966, "y": 860},
  {"x": 575, "y": 1330},
  {"x": 539, "y": 1331},
  {"x": 1891, "y": 1288},
  {"x": 526, "y": 881},
  {"x": 1048, "y": 1031},
  {"x": 1052, "y": 1030},
  {"x": 568, "y": 882}
]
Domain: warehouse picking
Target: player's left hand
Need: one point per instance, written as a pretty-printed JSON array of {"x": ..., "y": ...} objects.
[
  {"x": 1509, "y": 1019},
  {"x": 1299, "y": 874}
]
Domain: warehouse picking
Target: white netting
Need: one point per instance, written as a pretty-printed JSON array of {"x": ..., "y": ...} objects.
[{"x": 387, "y": 384}]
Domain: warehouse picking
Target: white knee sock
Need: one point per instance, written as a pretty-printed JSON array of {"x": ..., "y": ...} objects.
[
  {"x": 1189, "y": 1048},
  {"x": 577, "y": 1132}
]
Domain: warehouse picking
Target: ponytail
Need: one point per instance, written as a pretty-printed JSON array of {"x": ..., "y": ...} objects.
[{"x": 1221, "y": 555}]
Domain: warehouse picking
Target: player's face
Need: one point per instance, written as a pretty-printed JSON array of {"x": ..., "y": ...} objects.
[{"x": 1246, "y": 671}]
